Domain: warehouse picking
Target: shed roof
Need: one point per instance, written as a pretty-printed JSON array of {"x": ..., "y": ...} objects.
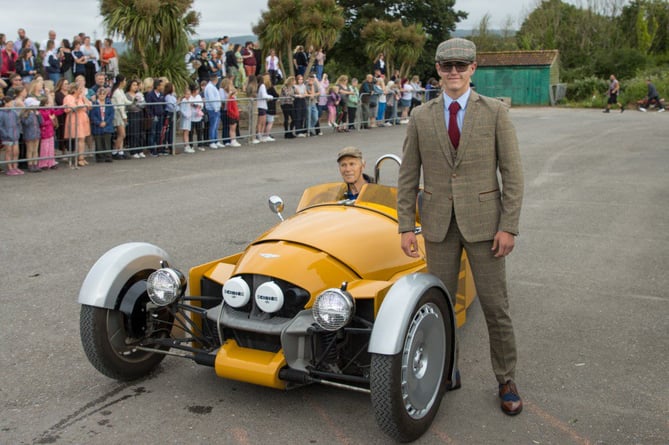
[{"x": 517, "y": 58}]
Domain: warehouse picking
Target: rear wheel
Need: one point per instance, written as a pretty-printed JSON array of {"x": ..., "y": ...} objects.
[
  {"x": 110, "y": 338},
  {"x": 406, "y": 388}
]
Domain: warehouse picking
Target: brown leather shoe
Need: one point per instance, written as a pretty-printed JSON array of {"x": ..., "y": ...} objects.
[{"x": 512, "y": 404}]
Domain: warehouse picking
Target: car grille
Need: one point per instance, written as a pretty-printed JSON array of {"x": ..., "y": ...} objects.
[{"x": 295, "y": 298}]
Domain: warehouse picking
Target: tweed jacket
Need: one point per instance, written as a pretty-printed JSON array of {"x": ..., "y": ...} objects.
[{"x": 469, "y": 185}]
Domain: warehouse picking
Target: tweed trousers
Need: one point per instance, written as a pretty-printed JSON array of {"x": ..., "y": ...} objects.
[{"x": 443, "y": 261}]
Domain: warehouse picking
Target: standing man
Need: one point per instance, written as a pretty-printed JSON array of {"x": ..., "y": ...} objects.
[
  {"x": 462, "y": 141},
  {"x": 225, "y": 43},
  {"x": 366, "y": 91},
  {"x": 212, "y": 103},
  {"x": 249, "y": 59},
  {"x": 614, "y": 89},
  {"x": 52, "y": 36},
  {"x": 18, "y": 44},
  {"x": 155, "y": 108}
]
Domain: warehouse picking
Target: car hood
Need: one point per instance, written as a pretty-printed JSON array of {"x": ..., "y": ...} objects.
[{"x": 339, "y": 240}]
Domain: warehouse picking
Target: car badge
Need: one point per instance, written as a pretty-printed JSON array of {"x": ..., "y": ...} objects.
[{"x": 269, "y": 255}]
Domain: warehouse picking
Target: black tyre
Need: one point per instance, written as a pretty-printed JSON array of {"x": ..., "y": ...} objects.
[
  {"x": 112, "y": 350},
  {"x": 406, "y": 388}
]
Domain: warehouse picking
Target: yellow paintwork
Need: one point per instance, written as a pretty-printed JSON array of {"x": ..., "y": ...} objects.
[
  {"x": 250, "y": 365},
  {"x": 324, "y": 244}
]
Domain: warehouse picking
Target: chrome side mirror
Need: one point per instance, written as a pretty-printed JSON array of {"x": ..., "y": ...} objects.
[{"x": 276, "y": 205}]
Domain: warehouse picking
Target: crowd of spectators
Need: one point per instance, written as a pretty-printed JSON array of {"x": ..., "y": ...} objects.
[{"x": 66, "y": 100}]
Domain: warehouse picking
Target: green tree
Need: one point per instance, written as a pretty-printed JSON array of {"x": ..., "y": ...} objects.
[
  {"x": 288, "y": 23},
  {"x": 437, "y": 18},
  {"x": 643, "y": 36},
  {"x": 649, "y": 22},
  {"x": 579, "y": 34},
  {"x": 401, "y": 45},
  {"x": 277, "y": 28},
  {"x": 482, "y": 37},
  {"x": 321, "y": 23},
  {"x": 157, "y": 32}
]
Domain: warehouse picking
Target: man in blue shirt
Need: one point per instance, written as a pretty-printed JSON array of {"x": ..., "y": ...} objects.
[{"x": 212, "y": 103}]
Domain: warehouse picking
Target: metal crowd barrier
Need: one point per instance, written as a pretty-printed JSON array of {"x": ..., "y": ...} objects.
[{"x": 137, "y": 139}]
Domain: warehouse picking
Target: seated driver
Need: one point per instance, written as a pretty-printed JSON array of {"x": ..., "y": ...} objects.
[{"x": 351, "y": 168}]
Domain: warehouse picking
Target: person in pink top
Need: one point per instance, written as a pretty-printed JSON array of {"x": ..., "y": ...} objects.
[{"x": 48, "y": 131}]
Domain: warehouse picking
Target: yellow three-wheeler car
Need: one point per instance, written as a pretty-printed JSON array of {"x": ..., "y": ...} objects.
[{"x": 326, "y": 296}]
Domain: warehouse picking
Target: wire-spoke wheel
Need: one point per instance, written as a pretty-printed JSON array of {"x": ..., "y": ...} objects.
[{"x": 407, "y": 387}]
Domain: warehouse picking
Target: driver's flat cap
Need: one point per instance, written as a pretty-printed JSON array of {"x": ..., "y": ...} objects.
[{"x": 353, "y": 152}]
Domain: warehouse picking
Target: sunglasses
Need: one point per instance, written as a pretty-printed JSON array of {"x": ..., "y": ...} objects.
[{"x": 460, "y": 67}]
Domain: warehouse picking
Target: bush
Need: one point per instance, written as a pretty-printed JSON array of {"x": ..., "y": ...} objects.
[
  {"x": 172, "y": 67},
  {"x": 586, "y": 89},
  {"x": 625, "y": 63}
]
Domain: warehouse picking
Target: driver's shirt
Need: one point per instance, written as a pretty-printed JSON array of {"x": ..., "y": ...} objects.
[{"x": 349, "y": 194}]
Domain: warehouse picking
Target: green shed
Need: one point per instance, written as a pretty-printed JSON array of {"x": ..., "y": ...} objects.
[{"x": 524, "y": 77}]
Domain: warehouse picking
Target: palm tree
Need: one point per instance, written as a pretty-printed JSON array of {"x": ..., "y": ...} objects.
[
  {"x": 410, "y": 43},
  {"x": 380, "y": 37},
  {"x": 321, "y": 21},
  {"x": 401, "y": 45},
  {"x": 278, "y": 26},
  {"x": 157, "y": 32}
]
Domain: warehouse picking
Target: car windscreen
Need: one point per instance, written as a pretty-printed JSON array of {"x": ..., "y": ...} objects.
[{"x": 371, "y": 195}]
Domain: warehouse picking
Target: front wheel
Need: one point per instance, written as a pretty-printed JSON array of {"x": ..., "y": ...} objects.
[
  {"x": 406, "y": 388},
  {"x": 111, "y": 349}
]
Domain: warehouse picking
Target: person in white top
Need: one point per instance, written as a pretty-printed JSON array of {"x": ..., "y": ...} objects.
[
  {"x": 197, "y": 128},
  {"x": 262, "y": 97},
  {"x": 405, "y": 102},
  {"x": 121, "y": 103},
  {"x": 272, "y": 66}
]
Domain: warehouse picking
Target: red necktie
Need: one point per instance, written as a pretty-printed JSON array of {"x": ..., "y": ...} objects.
[{"x": 453, "y": 130}]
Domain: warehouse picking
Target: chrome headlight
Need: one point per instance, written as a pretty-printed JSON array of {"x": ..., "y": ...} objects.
[
  {"x": 165, "y": 286},
  {"x": 333, "y": 309}
]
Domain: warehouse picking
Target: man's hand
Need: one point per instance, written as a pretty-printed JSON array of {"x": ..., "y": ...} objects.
[
  {"x": 410, "y": 244},
  {"x": 503, "y": 243}
]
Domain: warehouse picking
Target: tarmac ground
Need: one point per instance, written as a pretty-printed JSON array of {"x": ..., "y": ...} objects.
[{"x": 588, "y": 286}]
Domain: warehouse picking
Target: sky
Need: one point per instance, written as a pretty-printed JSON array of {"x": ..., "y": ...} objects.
[{"x": 219, "y": 17}]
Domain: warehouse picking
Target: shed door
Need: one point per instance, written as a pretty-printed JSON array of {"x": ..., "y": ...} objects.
[{"x": 524, "y": 85}]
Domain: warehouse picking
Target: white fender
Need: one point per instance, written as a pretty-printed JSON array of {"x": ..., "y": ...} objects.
[
  {"x": 394, "y": 315},
  {"x": 103, "y": 284}
]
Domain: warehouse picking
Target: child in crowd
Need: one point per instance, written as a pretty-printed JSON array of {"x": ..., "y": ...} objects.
[
  {"x": 186, "y": 111},
  {"x": 170, "y": 110},
  {"x": 31, "y": 120},
  {"x": 233, "y": 114},
  {"x": 48, "y": 131},
  {"x": 271, "y": 109},
  {"x": 333, "y": 101},
  {"x": 205, "y": 117},
  {"x": 10, "y": 132},
  {"x": 102, "y": 125},
  {"x": 197, "y": 115}
]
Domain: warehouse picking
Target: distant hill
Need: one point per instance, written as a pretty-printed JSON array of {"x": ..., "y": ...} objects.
[
  {"x": 469, "y": 32},
  {"x": 122, "y": 47}
]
